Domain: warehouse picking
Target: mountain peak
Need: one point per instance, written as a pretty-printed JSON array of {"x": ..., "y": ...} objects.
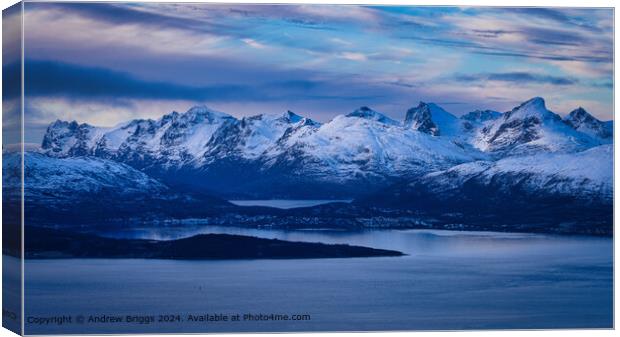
[
  {"x": 432, "y": 105},
  {"x": 286, "y": 117},
  {"x": 430, "y": 118},
  {"x": 581, "y": 114},
  {"x": 420, "y": 118},
  {"x": 64, "y": 124},
  {"x": 532, "y": 108},
  {"x": 58, "y": 122},
  {"x": 292, "y": 117},
  {"x": 536, "y": 103},
  {"x": 199, "y": 113},
  {"x": 364, "y": 112},
  {"x": 539, "y": 101},
  {"x": 60, "y": 136},
  {"x": 531, "y": 127},
  {"x": 370, "y": 114},
  {"x": 581, "y": 120},
  {"x": 201, "y": 108},
  {"x": 169, "y": 117},
  {"x": 426, "y": 105},
  {"x": 67, "y": 127}
]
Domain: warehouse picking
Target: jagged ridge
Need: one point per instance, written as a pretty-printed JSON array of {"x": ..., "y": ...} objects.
[{"x": 354, "y": 153}]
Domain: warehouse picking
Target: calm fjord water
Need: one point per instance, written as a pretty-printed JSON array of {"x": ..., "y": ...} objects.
[{"x": 449, "y": 280}]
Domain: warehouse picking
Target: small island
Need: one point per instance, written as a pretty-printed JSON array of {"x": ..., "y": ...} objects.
[{"x": 44, "y": 243}]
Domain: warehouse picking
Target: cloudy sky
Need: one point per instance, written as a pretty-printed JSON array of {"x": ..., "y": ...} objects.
[{"x": 106, "y": 63}]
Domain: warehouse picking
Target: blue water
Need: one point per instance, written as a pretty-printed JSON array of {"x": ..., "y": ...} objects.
[
  {"x": 284, "y": 203},
  {"x": 449, "y": 280}
]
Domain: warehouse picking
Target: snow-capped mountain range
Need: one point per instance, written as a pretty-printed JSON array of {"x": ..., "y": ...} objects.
[
  {"x": 530, "y": 128},
  {"x": 582, "y": 176},
  {"x": 363, "y": 142},
  {"x": 351, "y": 154},
  {"x": 431, "y": 163},
  {"x": 559, "y": 192}
]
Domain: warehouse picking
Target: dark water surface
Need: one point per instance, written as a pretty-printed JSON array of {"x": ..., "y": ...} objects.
[
  {"x": 449, "y": 280},
  {"x": 284, "y": 203}
]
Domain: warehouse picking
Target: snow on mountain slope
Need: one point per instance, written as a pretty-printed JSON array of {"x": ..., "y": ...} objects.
[
  {"x": 543, "y": 192},
  {"x": 70, "y": 138},
  {"x": 54, "y": 179},
  {"x": 190, "y": 132},
  {"x": 587, "y": 175},
  {"x": 529, "y": 128},
  {"x": 88, "y": 190},
  {"x": 366, "y": 144},
  {"x": 258, "y": 134},
  {"x": 173, "y": 138},
  {"x": 580, "y": 120}
]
